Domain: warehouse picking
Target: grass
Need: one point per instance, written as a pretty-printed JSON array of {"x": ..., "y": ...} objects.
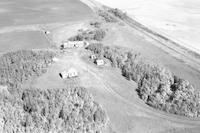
[{"x": 23, "y": 40}]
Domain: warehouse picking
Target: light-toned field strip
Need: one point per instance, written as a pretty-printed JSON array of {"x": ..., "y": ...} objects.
[{"x": 33, "y": 27}]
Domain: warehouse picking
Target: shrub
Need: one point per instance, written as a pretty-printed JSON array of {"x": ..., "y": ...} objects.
[
  {"x": 118, "y": 13},
  {"x": 107, "y": 17},
  {"x": 95, "y": 24},
  {"x": 97, "y": 48},
  {"x": 88, "y": 35}
]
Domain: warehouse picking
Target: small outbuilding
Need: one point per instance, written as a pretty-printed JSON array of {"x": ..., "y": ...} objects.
[
  {"x": 74, "y": 44},
  {"x": 93, "y": 57},
  {"x": 47, "y": 32},
  {"x": 71, "y": 73},
  {"x": 67, "y": 44},
  {"x": 99, "y": 62},
  {"x": 55, "y": 59},
  {"x": 63, "y": 74}
]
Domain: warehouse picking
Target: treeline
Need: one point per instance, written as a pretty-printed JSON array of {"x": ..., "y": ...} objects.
[
  {"x": 17, "y": 67},
  {"x": 110, "y": 15},
  {"x": 157, "y": 86},
  {"x": 106, "y": 16},
  {"x": 69, "y": 110},
  {"x": 117, "y": 13},
  {"x": 96, "y": 34}
]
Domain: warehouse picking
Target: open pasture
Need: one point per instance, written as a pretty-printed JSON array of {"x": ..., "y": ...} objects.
[{"x": 24, "y": 12}]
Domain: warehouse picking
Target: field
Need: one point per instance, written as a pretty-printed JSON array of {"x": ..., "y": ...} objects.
[
  {"x": 23, "y": 12},
  {"x": 24, "y": 39},
  {"x": 176, "y": 19},
  {"x": 23, "y": 22}
]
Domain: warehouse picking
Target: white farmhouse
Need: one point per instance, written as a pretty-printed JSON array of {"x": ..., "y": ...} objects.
[
  {"x": 99, "y": 62},
  {"x": 71, "y": 73},
  {"x": 74, "y": 44},
  {"x": 67, "y": 44}
]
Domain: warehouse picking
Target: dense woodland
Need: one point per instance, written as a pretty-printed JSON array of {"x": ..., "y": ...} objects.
[
  {"x": 69, "y": 110},
  {"x": 157, "y": 86},
  {"x": 20, "y": 66}
]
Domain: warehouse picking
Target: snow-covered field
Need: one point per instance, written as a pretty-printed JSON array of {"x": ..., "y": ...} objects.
[{"x": 177, "y": 19}]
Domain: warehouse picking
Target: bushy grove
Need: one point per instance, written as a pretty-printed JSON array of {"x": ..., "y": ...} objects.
[
  {"x": 117, "y": 13},
  {"x": 106, "y": 16},
  {"x": 157, "y": 86},
  {"x": 68, "y": 110},
  {"x": 96, "y": 34},
  {"x": 18, "y": 67},
  {"x": 111, "y": 15}
]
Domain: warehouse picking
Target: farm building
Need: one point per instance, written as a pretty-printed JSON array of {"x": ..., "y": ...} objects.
[
  {"x": 55, "y": 59},
  {"x": 69, "y": 74},
  {"x": 74, "y": 44},
  {"x": 93, "y": 57},
  {"x": 99, "y": 62},
  {"x": 47, "y": 32}
]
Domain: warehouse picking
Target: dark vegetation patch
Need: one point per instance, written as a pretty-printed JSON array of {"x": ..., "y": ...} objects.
[
  {"x": 97, "y": 34},
  {"x": 69, "y": 110},
  {"x": 18, "y": 67},
  {"x": 106, "y": 16},
  {"x": 157, "y": 86},
  {"x": 96, "y": 24},
  {"x": 117, "y": 13},
  {"x": 111, "y": 15}
]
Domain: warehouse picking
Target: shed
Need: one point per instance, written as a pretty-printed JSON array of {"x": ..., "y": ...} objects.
[
  {"x": 55, "y": 59},
  {"x": 67, "y": 45},
  {"x": 47, "y": 32},
  {"x": 63, "y": 74},
  {"x": 72, "y": 44},
  {"x": 69, "y": 74},
  {"x": 93, "y": 57},
  {"x": 72, "y": 73},
  {"x": 99, "y": 62}
]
